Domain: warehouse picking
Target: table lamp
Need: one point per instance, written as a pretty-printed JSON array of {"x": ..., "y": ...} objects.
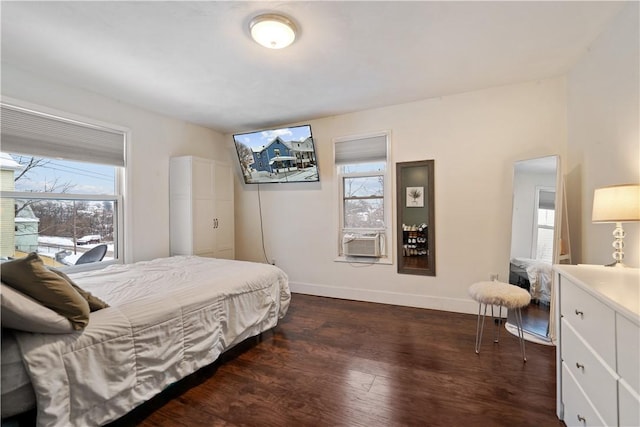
[{"x": 618, "y": 204}]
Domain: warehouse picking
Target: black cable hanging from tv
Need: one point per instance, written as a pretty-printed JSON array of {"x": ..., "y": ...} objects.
[{"x": 264, "y": 251}]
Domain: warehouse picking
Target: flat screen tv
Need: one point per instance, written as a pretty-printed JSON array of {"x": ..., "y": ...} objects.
[{"x": 277, "y": 155}]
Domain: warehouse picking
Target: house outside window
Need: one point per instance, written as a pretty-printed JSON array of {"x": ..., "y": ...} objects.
[
  {"x": 364, "y": 183},
  {"x": 61, "y": 189}
]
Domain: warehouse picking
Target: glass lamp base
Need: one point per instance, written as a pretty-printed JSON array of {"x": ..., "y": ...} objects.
[{"x": 618, "y": 245}]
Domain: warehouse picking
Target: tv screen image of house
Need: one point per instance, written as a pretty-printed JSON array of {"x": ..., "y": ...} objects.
[{"x": 277, "y": 155}]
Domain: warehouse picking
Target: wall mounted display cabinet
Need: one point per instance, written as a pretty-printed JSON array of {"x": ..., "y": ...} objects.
[{"x": 416, "y": 218}]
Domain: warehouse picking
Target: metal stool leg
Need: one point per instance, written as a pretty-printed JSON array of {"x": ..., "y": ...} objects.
[
  {"x": 498, "y": 323},
  {"x": 480, "y": 327},
  {"x": 518, "y": 313}
]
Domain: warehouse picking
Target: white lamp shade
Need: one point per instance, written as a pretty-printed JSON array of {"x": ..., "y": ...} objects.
[
  {"x": 272, "y": 31},
  {"x": 617, "y": 203}
]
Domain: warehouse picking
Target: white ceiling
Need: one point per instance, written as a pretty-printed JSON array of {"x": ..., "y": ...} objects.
[{"x": 196, "y": 61}]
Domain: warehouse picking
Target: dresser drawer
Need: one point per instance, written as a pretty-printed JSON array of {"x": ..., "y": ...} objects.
[
  {"x": 594, "y": 321},
  {"x": 629, "y": 402},
  {"x": 577, "y": 409},
  {"x": 599, "y": 382},
  {"x": 628, "y": 338}
]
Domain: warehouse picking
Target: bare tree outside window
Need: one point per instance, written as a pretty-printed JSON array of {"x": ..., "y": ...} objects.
[{"x": 29, "y": 163}]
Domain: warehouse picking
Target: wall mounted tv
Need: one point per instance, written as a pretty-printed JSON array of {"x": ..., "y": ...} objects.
[{"x": 277, "y": 155}]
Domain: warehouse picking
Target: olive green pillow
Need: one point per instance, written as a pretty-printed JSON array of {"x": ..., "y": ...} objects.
[
  {"x": 30, "y": 276},
  {"x": 95, "y": 303}
]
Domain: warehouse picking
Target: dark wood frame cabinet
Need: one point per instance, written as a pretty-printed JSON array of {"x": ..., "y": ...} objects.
[{"x": 416, "y": 247}]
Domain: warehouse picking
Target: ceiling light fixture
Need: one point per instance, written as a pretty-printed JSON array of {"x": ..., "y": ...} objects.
[{"x": 272, "y": 30}]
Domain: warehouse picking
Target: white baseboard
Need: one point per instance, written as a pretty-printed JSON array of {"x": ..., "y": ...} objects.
[{"x": 456, "y": 305}]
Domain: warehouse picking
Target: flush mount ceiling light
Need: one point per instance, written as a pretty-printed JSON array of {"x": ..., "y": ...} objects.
[{"x": 272, "y": 30}]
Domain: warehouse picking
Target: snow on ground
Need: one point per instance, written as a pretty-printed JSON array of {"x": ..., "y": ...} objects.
[
  {"x": 53, "y": 240},
  {"x": 50, "y": 245}
]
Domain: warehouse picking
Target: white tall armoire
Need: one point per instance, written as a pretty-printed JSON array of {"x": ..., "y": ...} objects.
[{"x": 201, "y": 199}]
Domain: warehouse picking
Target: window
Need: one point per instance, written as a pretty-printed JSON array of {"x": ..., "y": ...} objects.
[
  {"x": 362, "y": 170},
  {"x": 62, "y": 186},
  {"x": 545, "y": 221},
  {"x": 363, "y": 199}
]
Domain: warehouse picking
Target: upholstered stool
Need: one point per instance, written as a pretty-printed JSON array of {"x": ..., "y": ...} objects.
[{"x": 503, "y": 295}]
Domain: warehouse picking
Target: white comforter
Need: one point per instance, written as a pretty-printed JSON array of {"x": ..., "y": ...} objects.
[
  {"x": 168, "y": 317},
  {"x": 539, "y": 274}
]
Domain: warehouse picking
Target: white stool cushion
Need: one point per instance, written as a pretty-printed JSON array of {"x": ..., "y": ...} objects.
[{"x": 499, "y": 293}]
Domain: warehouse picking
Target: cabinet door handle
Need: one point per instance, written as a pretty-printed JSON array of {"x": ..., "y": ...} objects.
[
  {"x": 579, "y": 313},
  {"x": 580, "y": 366},
  {"x": 582, "y": 419}
]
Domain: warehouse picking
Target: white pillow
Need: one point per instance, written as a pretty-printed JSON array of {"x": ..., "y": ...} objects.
[{"x": 22, "y": 312}]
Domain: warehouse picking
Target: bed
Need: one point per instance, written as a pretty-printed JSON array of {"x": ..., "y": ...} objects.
[
  {"x": 532, "y": 275},
  {"x": 167, "y": 318}
]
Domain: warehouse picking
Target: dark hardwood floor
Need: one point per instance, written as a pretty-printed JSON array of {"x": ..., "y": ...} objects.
[
  {"x": 535, "y": 319},
  {"x": 334, "y": 362}
]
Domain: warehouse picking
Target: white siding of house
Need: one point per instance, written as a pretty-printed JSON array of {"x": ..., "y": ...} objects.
[{"x": 7, "y": 215}]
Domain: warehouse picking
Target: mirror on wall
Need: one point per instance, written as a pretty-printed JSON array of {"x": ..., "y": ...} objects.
[
  {"x": 416, "y": 218},
  {"x": 535, "y": 236}
]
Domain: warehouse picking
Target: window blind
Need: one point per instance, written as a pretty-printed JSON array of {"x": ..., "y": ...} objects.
[
  {"x": 373, "y": 149},
  {"x": 546, "y": 199},
  {"x": 32, "y": 133}
]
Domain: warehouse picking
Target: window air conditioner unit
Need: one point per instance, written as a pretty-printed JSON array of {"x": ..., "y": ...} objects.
[{"x": 361, "y": 245}]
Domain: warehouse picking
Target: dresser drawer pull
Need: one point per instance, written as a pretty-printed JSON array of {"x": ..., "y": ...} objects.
[
  {"x": 579, "y": 313},
  {"x": 582, "y": 419},
  {"x": 580, "y": 366}
]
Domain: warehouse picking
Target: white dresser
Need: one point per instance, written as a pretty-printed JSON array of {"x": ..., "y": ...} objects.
[{"x": 598, "y": 353}]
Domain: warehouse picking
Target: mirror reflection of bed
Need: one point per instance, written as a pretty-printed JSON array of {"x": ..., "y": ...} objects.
[
  {"x": 534, "y": 276},
  {"x": 535, "y": 232}
]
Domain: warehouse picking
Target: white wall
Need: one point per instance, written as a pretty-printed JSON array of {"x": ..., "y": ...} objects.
[
  {"x": 474, "y": 138},
  {"x": 604, "y": 136},
  {"x": 154, "y": 139}
]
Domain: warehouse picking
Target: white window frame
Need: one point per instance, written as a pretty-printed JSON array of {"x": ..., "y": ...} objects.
[
  {"x": 536, "y": 223},
  {"x": 387, "y": 231},
  {"x": 121, "y": 185}
]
